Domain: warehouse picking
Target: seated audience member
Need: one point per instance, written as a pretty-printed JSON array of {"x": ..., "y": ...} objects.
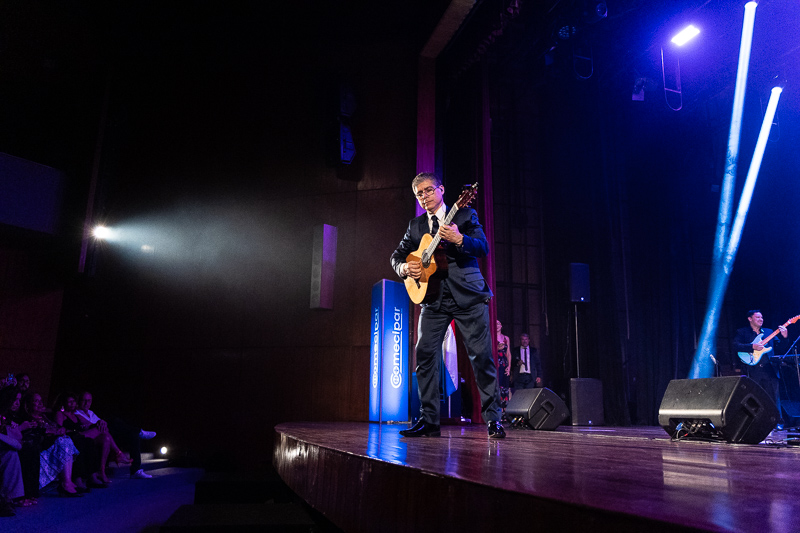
[
  {"x": 130, "y": 437},
  {"x": 93, "y": 445},
  {"x": 7, "y": 381},
  {"x": 29, "y": 454},
  {"x": 12, "y": 490},
  {"x": 23, "y": 382},
  {"x": 58, "y": 451}
]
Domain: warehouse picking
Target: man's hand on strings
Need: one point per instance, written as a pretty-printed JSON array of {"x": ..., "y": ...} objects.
[
  {"x": 414, "y": 269},
  {"x": 451, "y": 234}
]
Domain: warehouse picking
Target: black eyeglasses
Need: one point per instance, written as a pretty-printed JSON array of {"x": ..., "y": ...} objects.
[{"x": 426, "y": 192}]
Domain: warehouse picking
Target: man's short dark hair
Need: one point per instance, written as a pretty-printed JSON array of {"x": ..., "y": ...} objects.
[
  {"x": 752, "y": 312},
  {"x": 422, "y": 176}
]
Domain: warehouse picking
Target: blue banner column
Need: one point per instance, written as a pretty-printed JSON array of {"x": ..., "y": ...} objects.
[{"x": 389, "y": 377}]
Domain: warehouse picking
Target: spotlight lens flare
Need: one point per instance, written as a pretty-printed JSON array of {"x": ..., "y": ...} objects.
[
  {"x": 163, "y": 450},
  {"x": 686, "y": 35},
  {"x": 101, "y": 233}
]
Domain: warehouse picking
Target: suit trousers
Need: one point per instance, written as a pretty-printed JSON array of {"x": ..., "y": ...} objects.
[
  {"x": 473, "y": 323},
  {"x": 766, "y": 376},
  {"x": 524, "y": 381},
  {"x": 127, "y": 436}
]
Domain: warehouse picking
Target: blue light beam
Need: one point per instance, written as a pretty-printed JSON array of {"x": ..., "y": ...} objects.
[
  {"x": 732, "y": 157},
  {"x": 702, "y": 364},
  {"x": 707, "y": 345}
]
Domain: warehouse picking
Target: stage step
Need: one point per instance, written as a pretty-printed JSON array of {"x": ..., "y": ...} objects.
[
  {"x": 149, "y": 462},
  {"x": 288, "y": 517}
]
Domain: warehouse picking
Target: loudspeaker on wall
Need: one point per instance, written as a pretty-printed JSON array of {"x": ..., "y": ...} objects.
[
  {"x": 323, "y": 266},
  {"x": 539, "y": 408},
  {"x": 733, "y": 408},
  {"x": 579, "y": 282}
]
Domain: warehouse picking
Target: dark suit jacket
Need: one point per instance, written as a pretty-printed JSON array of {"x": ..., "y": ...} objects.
[
  {"x": 516, "y": 360},
  {"x": 464, "y": 277},
  {"x": 743, "y": 342}
]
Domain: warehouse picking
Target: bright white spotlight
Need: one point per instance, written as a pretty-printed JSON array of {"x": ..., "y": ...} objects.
[
  {"x": 147, "y": 249},
  {"x": 686, "y": 35},
  {"x": 101, "y": 232},
  {"x": 163, "y": 450}
]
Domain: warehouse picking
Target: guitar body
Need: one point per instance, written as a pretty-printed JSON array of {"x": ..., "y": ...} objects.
[
  {"x": 753, "y": 359},
  {"x": 425, "y": 290},
  {"x": 431, "y": 254}
]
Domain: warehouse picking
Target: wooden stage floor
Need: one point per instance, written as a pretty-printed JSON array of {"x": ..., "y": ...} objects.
[{"x": 366, "y": 477}]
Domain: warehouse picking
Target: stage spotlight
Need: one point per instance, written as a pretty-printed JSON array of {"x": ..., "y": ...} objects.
[
  {"x": 595, "y": 12},
  {"x": 163, "y": 450},
  {"x": 685, "y": 35},
  {"x": 566, "y": 32},
  {"x": 147, "y": 249},
  {"x": 102, "y": 233}
]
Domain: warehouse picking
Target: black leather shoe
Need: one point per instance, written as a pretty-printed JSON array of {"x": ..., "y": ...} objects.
[
  {"x": 422, "y": 429},
  {"x": 496, "y": 430}
]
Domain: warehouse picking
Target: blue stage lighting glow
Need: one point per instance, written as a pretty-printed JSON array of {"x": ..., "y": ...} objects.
[
  {"x": 686, "y": 35},
  {"x": 702, "y": 366},
  {"x": 732, "y": 158},
  {"x": 752, "y": 175}
]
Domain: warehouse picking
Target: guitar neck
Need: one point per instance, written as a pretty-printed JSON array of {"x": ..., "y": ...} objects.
[
  {"x": 436, "y": 238},
  {"x": 771, "y": 335}
]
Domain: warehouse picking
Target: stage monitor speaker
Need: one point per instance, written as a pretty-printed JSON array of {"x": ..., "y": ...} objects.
[
  {"x": 579, "y": 282},
  {"x": 733, "y": 408},
  {"x": 586, "y": 402},
  {"x": 539, "y": 408},
  {"x": 791, "y": 413}
]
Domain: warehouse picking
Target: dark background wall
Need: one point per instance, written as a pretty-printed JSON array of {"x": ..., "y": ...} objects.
[
  {"x": 214, "y": 151},
  {"x": 584, "y": 173},
  {"x": 207, "y": 129}
]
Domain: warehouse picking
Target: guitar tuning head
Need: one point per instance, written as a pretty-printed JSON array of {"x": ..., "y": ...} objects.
[{"x": 468, "y": 194}]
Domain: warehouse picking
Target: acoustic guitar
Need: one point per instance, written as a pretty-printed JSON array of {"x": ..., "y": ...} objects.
[
  {"x": 752, "y": 359},
  {"x": 430, "y": 254}
]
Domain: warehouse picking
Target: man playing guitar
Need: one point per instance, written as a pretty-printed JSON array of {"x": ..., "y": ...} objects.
[
  {"x": 463, "y": 297},
  {"x": 755, "y": 353}
]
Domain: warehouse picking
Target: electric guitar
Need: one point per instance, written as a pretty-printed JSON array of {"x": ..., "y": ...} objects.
[
  {"x": 752, "y": 359},
  {"x": 430, "y": 254}
]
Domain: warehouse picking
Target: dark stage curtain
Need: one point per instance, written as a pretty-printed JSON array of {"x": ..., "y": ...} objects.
[{"x": 580, "y": 175}]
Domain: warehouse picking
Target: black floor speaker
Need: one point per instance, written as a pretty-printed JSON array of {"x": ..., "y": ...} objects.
[
  {"x": 539, "y": 408},
  {"x": 586, "y": 402},
  {"x": 733, "y": 408},
  {"x": 791, "y": 413}
]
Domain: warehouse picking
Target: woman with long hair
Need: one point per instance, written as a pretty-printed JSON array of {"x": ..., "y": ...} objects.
[{"x": 56, "y": 457}]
